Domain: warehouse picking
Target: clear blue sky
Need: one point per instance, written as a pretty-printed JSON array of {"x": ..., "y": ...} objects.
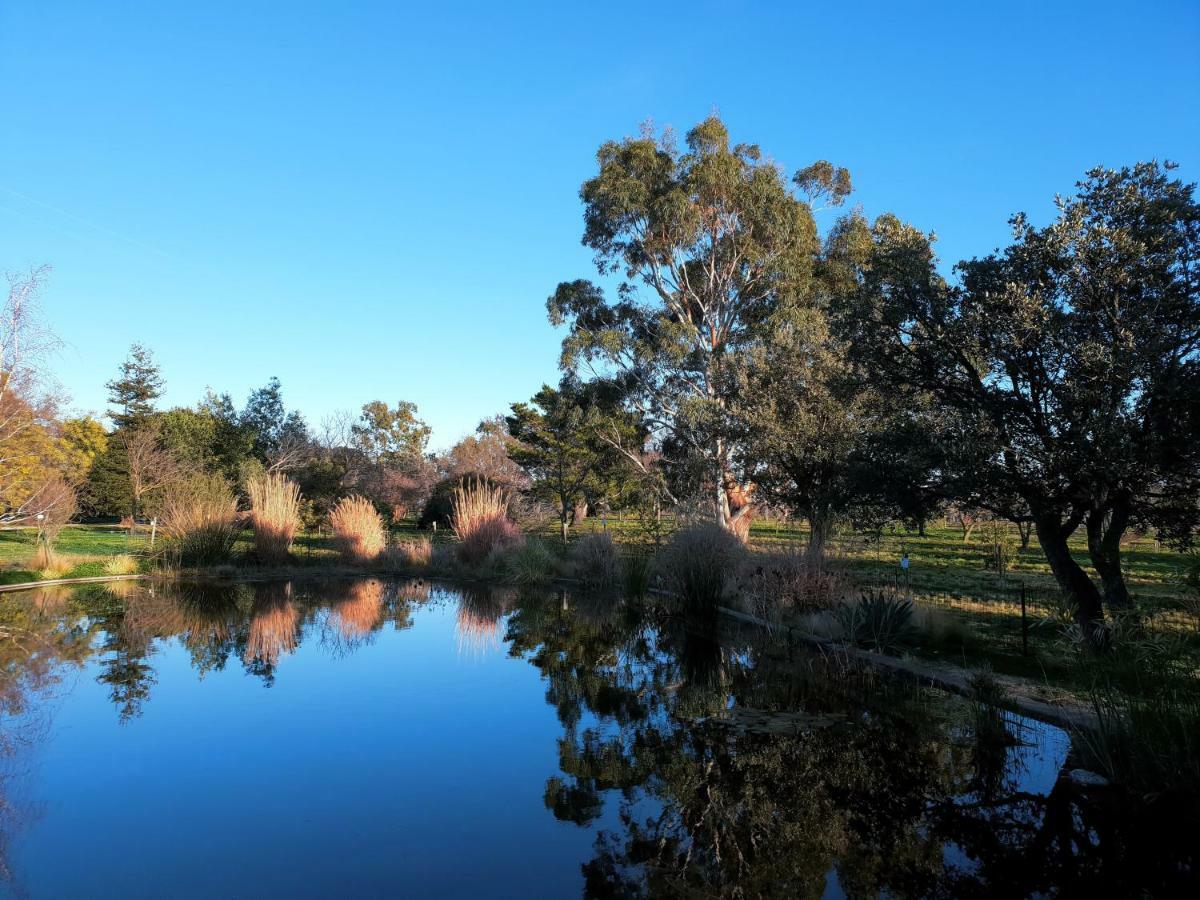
[{"x": 373, "y": 201}]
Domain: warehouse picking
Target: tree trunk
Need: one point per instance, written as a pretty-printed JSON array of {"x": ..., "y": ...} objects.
[
  {"x": 821, "y": 522},
  {"x": 1025, "y": 529},
  {"x": 1052, "y": 534},
  {"x": 920, "y": 527},
  {"x": 1105, "y": 526},
  {"x": 579, "y": 512},
  {"x": 968, "y": 525}
]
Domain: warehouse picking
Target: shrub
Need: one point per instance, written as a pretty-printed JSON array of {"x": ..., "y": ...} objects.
[
  {"x": 274, "y": 515},
  {"x": 595, "y": 562},
  {"x": 199, "y": 521},
  {"x": 358, "y": 530},
  {"x": 792, "y": 580},
  {"x": 700, "y": 564},
  {"x": 878, "y": 620},
  {"x": 480, "y": 521},
  {"x": 59, "y": 502}
]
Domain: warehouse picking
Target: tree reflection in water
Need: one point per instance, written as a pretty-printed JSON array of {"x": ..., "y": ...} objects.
[{"x": 741, "y": 769}]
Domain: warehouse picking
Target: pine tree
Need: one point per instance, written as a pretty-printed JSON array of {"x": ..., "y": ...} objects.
[{"x": 133, "y": 392}]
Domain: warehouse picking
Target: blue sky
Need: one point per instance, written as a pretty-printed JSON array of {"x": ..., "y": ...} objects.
[{"x": 373, "y": 201}]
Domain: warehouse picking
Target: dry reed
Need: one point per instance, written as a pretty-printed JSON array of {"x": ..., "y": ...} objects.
[
  {"x": 274, "y": 515},
  {"x": 480, "y": 520},
  {"x": 357, "y": 530}
]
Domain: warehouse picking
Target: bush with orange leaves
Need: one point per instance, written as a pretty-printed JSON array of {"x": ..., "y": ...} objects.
[
  {"x": 358, "y": 530},
  {"x": 479, "y": 517}
]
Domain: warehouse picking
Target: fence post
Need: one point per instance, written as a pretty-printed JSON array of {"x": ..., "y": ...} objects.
[{"x": 1024, "y": 624}]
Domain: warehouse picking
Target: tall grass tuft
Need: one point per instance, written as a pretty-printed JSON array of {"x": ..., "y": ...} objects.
[
  {"x": 700, "y": 563},
  {"x": 199, "y": 521},
  {"x": 358, "y": 530},
  {"x": 411, "y": 553},
  {"x": 1144, "y": 692},
  {"x": 480, "y": 521},
  {"x": 274, "y": 515},
  {"x": 595, "y": 562},
  {"x": 530, "y": 563}
]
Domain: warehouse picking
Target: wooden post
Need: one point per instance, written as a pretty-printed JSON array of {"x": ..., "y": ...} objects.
[{"x": 153, "y": 531}]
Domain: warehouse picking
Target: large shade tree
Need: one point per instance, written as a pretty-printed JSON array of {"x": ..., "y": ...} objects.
[
  {"x": 1071, "y": 361},
  {"x": 705, "y": 241}
]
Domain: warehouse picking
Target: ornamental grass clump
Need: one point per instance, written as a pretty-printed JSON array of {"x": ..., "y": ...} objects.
[
  {"x": 358, "y": 530},
  {"x": 274, "y": 515},
  {"x": 199, "y": 521},
  {"x": 479, "y": 517},
  {"x": 700, "y": 564},
  {"x": 595, "y": 562}
]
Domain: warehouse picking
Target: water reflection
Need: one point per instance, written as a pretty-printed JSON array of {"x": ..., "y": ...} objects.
[{"x": 699, "y": 760}]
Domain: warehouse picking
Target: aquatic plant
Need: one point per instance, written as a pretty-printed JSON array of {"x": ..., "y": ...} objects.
[
  {"x": 480, "y": 521},
  {"x": 198, "y": 521},
  {"x": 878, "y": 620},
  {"x": 636, "y": 569},
  {"x": 274, "y": 515},
  {"x": 358, "y": 530},
  {"x": 700, "y": 564}
]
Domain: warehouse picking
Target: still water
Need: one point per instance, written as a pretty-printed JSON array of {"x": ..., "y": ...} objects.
[{"x": 396, "y": 738}]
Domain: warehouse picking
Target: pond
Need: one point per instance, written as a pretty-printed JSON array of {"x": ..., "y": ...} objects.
[{"x": 368, "y": 738}]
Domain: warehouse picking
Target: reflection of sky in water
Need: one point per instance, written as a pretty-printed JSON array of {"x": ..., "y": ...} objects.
[
  {"x": 402, "y": 767},
  {"x": 358, "y": 739}
]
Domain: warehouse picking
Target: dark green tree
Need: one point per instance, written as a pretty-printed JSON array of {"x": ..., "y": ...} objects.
[
  {"x": 553, "y": 443},
  {"x": 1070, "y": 362},
  {"x": 132, "y": 393},
  {"x": 280, "y": 436}
]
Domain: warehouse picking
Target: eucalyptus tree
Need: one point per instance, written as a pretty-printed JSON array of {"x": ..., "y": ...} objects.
[
  {"x": 705, "y": 242},
  {"x": 1071, "y": 361}
]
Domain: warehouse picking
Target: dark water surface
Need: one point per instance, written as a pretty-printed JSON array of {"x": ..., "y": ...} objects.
[{"x": 370, "y": 738}]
